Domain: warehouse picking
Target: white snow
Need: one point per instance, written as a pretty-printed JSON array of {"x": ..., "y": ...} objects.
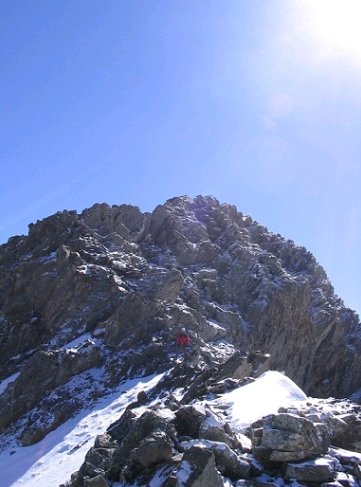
[
  {"x": 183, "y": 473},
  {"x": 7, "y": 381},
  {"x": 212, "y": 445},
  {"x": 61, "y": 452},
  {"x": 47, "y": 258},
  {"x": 216, "y": 325},
  {"x": 77, "y": 341},
  {"x": 251, "y": 402},
  {"x": 160, "y": 476},
  {"x": 212, "y": 421}
]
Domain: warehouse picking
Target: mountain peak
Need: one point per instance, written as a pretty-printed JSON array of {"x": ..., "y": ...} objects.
[{"x": 108, "y": 289}]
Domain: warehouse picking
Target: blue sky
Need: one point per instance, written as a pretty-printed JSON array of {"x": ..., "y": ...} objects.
[{"x": 138, "y": 101}]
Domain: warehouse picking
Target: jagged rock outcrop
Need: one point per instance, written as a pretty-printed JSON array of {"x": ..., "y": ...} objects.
[{"x": 127, "y": 281}]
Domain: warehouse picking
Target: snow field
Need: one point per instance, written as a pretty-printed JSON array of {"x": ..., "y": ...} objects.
[{"x": 51, "y": 461}]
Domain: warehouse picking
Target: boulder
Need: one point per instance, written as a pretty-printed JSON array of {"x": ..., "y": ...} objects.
[
  {"x": 198, "y": 469},
  {"x": 350, "y": 437},
  {"x": 188, "y": 421},
  {"x": 155, "y": 448},
  {"x": 317, "y": 470},
  {"x": 98, "y": 481},
  {"x": 121, "y": 428},
  {"x": 236, "y": 367},
  {"x": 350, "y": 461},
  {"x": 227, "y": 461},
  {"x": 150, "y": 426},
  {"x": 97, "y": 462},
  {"x": 214, "y": 429},
  {"x": 286, "y": 437}
]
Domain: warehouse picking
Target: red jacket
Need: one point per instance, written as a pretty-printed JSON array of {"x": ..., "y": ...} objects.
[{"x": 183, "y": 340}]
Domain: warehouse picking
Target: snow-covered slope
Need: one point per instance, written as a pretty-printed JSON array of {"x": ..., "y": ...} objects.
[{"x": 50, "y": 462}]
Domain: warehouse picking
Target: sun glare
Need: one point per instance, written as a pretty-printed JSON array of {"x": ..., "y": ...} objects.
[{"x": 337, "y": 23}]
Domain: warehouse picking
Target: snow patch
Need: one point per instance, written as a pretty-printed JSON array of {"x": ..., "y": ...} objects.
[
  {"x": 184, "y": 473},
  {"x": 77, "y": 341},
  {"x": 7, "y": 381},
  {"x": 266, "y": 395}
]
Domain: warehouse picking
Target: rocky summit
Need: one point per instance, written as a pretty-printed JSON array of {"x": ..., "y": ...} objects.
[{"x": 90, "y": 300}]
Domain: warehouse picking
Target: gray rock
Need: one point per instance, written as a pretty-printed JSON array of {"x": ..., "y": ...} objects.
[
  {"x": 214, "y": 429},
  {"x": 98, "y": 481},
  {"x": 237, "y": 367},
  {"x": 287, "y": 437},
  {"x": 198, "y": 469},
  {"x": 155, "y": 448},
  {"x": 188, "y": 421},
  {"x": 43, "y": 372},
  {"x": 123, "y": 220},
  {"x": 318, "y": 470},
  {"x": 163, "y": 285},
  {"x": 227, "y": 461},
  {"x": 350, "y": 461},
  {"x": 345, "y": 479},
  {"x": 148, "y": 425},
  {"x": 128, "y": 322},
  {"x": 97, "y": 462},
  {"x": 350, "y": 438},
  {"x": 127, "y": 278}
]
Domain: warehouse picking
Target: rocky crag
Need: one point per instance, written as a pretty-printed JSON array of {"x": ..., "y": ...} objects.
[{"x": 106, "y": 290}]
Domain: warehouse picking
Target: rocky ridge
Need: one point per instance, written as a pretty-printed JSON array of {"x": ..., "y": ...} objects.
[{"x": 89, "y": 299}]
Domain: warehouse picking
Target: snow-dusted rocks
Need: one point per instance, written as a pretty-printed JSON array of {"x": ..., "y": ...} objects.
[
  {"x": 195, "y": 446},
  {"x": 158, "y": 442},
  {"x": 192, "y": 262},
  {"x": 198, "y": 469},
  {"x": 154, "y": 449},
  {"x": 317, "y": 471},
  {"x": 228, "y": 462},
  {"x": 44, "y": 373},
  {"x": 350, "y": 436}
]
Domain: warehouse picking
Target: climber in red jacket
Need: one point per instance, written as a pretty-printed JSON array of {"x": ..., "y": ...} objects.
[
  {"x": 188, "y": 348},
  {"x": 182, "y": 339}
]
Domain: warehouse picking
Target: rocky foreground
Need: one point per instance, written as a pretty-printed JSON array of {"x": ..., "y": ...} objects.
[
  {"x": 191, "y": 441},
  {"x": 88, "y": 300}
]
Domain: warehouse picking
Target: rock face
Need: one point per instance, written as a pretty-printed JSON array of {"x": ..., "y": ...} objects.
[{"x": 109, "y": 288}]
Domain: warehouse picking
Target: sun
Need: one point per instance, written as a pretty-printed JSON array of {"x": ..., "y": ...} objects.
[{"x": 337, "y": 23}]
